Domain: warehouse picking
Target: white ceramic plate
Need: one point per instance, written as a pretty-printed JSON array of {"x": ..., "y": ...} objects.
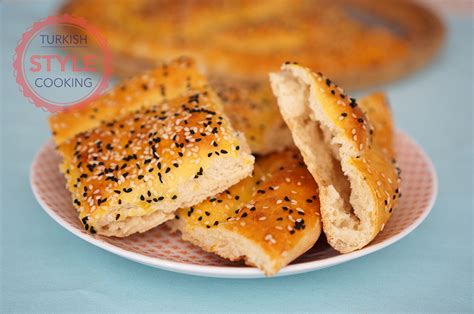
[{"x": 159, "y": 248}]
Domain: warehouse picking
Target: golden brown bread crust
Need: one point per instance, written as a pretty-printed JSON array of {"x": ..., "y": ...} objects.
[
  {"x": 348, "y": 149},
  {"x": 356, "y": 42},
  {"x": 377, "y": 110},
  {"x": 130, "y": 171},
  {"x": 268, "y": 219}
]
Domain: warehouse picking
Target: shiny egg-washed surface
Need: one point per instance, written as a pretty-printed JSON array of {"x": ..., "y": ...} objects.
[{"x": 355, "y": 42}]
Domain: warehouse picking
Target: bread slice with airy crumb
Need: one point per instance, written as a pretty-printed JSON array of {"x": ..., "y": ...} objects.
[
  {"x": 131, "y": 171},
  {"x": 348, "y": 148},
  {"x": 267, "y": 220}
]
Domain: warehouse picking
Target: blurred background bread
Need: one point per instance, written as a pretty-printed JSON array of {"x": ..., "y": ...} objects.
[{"x": 357, "y": 43}]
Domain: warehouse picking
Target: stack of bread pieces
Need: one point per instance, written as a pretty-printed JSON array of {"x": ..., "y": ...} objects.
[{"x": 165, "y": 147}]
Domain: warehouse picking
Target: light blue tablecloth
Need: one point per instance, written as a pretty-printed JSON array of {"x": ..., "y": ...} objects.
[{"x": 45, "y": 268}]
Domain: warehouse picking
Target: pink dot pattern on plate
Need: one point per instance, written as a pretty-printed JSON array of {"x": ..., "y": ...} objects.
[{"x": 418, "y": 188}]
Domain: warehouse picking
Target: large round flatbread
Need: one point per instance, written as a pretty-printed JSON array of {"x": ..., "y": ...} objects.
[{"x": 355, "y": 42}]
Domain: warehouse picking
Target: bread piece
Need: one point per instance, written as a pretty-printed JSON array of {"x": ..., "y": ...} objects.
[
  {"x": 131, "y": 173},
  {"x": 349, "y": 153},
  {"x": 356, "y": 42},
  {"x": 268, "y": 219},
  {"x": 169, "y": 80},
  {"x": 252, "y": 109}
]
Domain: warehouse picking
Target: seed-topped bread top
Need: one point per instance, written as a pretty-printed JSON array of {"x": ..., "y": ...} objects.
[
  {"x": 132, "y": 171},
  {"x": 276, "y": 210}
]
